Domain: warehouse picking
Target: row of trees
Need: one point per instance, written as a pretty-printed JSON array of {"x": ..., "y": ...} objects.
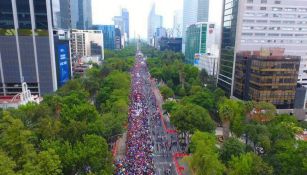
[
  {"x": 70, "y": 131},
  {"x": 256, "y": 139}
]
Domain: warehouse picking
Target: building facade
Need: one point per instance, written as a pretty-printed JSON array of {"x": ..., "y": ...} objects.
[
  {"x": 194, "y": 11},
  {"x": 108, "y": 35},
  {"x": 250, "y": 25},
  {"x": 173, "y": 44},
  {"x": 178, "y": 24},
  {"x": 81, "y": 14},
  {"x": 86, "y": 43},
  {"x": 118, "y": 39},
  {"x": 266, "y": 78},
  {"x": 30, "y": 50},
  {"x": 125, "y": 16},
  {"x": 122, "y": 23},
  {"x": 208, "y": 62},
  {"x": 61, "y": 14},
  {"x": 154, "y": 21},
  {"x": 199, "y": 40}
]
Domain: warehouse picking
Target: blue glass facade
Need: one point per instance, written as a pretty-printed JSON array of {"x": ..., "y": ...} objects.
[
  {"x": 228, "y": 45},
  {"x": 108, "y": 35}
]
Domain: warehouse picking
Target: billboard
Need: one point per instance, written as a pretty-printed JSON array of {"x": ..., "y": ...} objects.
[{"x": 63, "y": 64}]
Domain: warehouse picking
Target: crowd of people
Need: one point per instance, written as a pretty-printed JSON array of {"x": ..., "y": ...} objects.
[
  {"x": 146, "y": 137},
  {"x": 139, "y": 145}
]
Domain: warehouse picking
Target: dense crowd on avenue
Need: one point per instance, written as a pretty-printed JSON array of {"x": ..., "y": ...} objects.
[{"x": 139, "y": 146}]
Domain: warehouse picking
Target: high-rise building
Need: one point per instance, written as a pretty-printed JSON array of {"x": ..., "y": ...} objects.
[
  {"x": 199, "y": 40},
  {"x": 125, "y": 16},
  {"x": 86, "y": 43},
  {"x": 193, "y": 11},
  {"x": 108, "y": 35},
  {"x": 250, "y": 25},
  {"x": 122, "y": 23},
  {"x": 178, "y": 24},
  {"x": 61, "y": 14},
  {"x": 118, "y": 39},
  {"x": 81, "y": 14},
  {"x": 154, "y": 21},
  {"x": 267, "y": 76},
  {"x": 30, "y": 50}
]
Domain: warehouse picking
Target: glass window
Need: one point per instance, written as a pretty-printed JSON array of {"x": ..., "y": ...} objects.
[
  {"x": 6, "y": 15},
  {"x": 249, "y": 8},
  {"x": 250, "y": 1},
  {"x": 276, "y": 8},
  {"x": 40, "y": 11},
  {"x": 264, "y": 1},
  {"x": 262, "y": 8},
  {"x": 23, "y": 13}
]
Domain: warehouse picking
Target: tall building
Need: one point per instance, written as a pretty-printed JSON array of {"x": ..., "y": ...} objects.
[
  {"x": 30, "y": 50},
  {"x": 61, "y": 14},
  {"x": 178, "y": 24},
  {"x": 125, "y": 16},
  {"x": 108, "y": 35},
  {"x": 267, "y": 76},
  {"x": 154, "y": 21},
  {"x": 86, "y": 43},
  {"x": 193, "y": 11},
  {"x": 250, "y": 25},
  {"x": 118, "y": 39},
  {"x": 122, "y": 23},
  {"x": 199, "y": 40},
  {"x": 81, "y": 14}
]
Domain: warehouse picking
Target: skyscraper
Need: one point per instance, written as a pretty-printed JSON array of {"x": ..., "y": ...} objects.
[
  {"x": 81, "y": 14},
  {"x": 125, "y": 16},
  {"x": 251, "y": 25},
  {"x": 61, "y": 14},
  {"x": 193, "y": 11},
  {"x": 154, "y": 21},
  {"x": 122, "y": 23},
  {"x": 177, "y": 26},
  {"x": 30, "y": 50}
]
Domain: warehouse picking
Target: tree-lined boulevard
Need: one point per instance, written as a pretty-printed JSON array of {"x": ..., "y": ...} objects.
[{"x": 74, "y": 130}]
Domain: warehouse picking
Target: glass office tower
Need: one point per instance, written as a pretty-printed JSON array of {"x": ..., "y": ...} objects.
[{"x": 29, "y": 50}]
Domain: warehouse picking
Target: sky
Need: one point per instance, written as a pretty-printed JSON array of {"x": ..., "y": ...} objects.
[{"x": 105, "y": 10}]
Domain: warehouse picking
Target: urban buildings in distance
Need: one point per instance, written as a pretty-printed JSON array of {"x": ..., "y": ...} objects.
[
  {"x": 81, "y": 14},
  {"x": 31, "y": 51},
  {"x": 250, "y": 25},
  {"x": 122, "y": 23},
  {"x": 86, "y": 43},
  {"x": 108, "y": 35},
  {"x": 154, "y": 22},
  {"x": 178, "y": 24},
  {"x": 194, "y": 11}
]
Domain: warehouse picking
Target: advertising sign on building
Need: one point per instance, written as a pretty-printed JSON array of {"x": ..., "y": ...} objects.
[{"x": 63, "y": 64}]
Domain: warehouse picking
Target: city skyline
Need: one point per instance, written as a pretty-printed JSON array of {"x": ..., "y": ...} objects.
[{"x": 139, "y": 10}]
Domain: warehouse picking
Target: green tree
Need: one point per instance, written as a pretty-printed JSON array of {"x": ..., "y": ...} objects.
[
  {"x": 231, "y": 147},
  {"x": 166, "y": 92},
  {"x": 169, "y": 106},
  {"x": 204, "y": 159},
  {"x": 249, "y": 164},
  {"x": 231, "y": 114},
  {"x": 288, "y": 157},
  {"x": 190, "y": 117},
  {"x": 7, "y": 165}
]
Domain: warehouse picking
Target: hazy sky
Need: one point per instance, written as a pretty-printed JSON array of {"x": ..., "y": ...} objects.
[{"x": 104, "y": 10}]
